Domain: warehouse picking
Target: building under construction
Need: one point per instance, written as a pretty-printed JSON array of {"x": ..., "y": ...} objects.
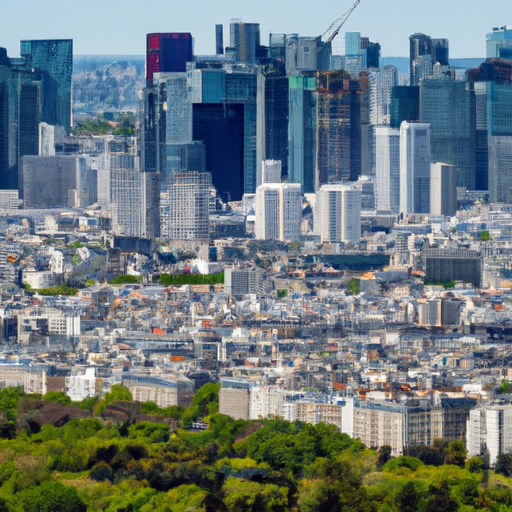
[{"x": 342, "y": 126}]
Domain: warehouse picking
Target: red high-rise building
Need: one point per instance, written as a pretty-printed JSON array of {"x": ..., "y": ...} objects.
[{"x": 168, "y": 52}]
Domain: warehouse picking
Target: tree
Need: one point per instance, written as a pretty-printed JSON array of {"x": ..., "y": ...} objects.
[
  {"x": 456, "y": 453},
  {"x": 50, "y": 497},
  {"x": 408, "y": 498},
  {"x": 57, "y": 396},
  {"x": 384, "y": 455},
  {"x": 353, "y": 286}
]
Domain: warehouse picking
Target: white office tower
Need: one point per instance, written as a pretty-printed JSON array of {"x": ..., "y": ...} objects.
[
  {"x": 414, "y": 168},
  {"x": 338, "y": 213},
  {"x": 188, "y": 215},
  {"x": 490, "y": 427},
  {"x": 387, "y": 168},
  {"x": 443, "y": 189},
  {"x": 278, "y": 209},
  {"x": 126, "y": 189},
  {"x": 50, "y": 135},
  {"x": 271, "y": 171}
]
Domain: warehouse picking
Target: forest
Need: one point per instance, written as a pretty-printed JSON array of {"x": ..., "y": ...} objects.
[{"x": 233, "y": 465}]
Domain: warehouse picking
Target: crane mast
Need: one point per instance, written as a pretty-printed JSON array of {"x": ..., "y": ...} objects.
[{"x": 337, "y": 24}]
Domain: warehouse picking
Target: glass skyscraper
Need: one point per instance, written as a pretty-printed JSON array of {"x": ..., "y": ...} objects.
[{"x": 449, "y": 107}]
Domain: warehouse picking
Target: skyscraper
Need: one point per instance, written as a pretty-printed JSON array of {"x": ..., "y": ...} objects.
[
  {"x": 405, "y": 105},
  {"x": 499, "y": 43},
  {"x": 443, "y": 189},
  {"x": 33, "y": 89},
  {"x": 188, "y": 215},
  {"x": 338, "y": 213},
  {"x": 342, "y": 124},
  {"x": 302, "y": 131},
  {"x": 278, "y": 209},
  {"x": 387, "y": 170},
  {"x": 168, "y": 52},
  {"x": 244, "y": 40},
  {"x": 420, "y": 45},
  {"x": 449, "y": 107},
  {"x": 54, "y": 59},
  {"x": 414, "y": 168}
]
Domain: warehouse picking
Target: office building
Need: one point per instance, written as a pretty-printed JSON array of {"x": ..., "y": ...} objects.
[
  {"x": 168, "y": 53},
  {"x": 127, "y": 196},
  {"x": 51, "y": 181},
  {"x": 414, "y": 168},
  {"x": 405, "y": 105},
  {"x": 243, "y": 281},
  {"x": 338, "y": 213},
  {"x": 420, "y": 48},
  {"x": 342, "y": 124},
  {"x": 54, "y": 59},
  {"x": 278, "y": 209},
  {"x": 185, "y": 207},
  {"x": 499, "y": 43},
  {"x": 382, "y": 82},
  {"x": 489, "y": 428},
  {"x": 244, "y": 40},
  {"x": 449, "y": 107},
  {"x": 441, "y": 265},
  {"x": 387, "y": 169},
  {"x": 271, "y": 171},
  {"x": 219, "y": 40},
  {"x": 302, "y": 131},
  {"x": 273, "y": 114},
  {"x": 34, "y": 88},
  {"x": 443, "y": 189}
]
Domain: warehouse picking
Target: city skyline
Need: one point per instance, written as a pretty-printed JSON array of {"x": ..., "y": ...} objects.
[{"x": 116, "y": 29}]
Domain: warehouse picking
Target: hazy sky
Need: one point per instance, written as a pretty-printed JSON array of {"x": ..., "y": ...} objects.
[{"x": 119, "y": 26}]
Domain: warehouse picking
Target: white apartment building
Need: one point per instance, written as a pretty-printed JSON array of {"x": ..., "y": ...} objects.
[
  {"x": 490, "y": 428},
  {"x": 338, "y": 213},
  {"x": 162, "y": 396},
  {"x": 278, "y": 211},
  {"x": 81, "y": 386}
]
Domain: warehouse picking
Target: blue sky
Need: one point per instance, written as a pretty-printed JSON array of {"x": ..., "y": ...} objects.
[{"x": 119, "y": 26}]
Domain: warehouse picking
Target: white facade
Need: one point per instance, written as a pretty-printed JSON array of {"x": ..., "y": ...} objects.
[
  {"x": 82, "y": 386},
  {"x": 184, "y": 207},
  {"x": 126, "y": 188},
  {"x": 271, "y": 171},
  {"x": 491, "y": 428},
  {"x": 278, "y": 209},
  {"x": 387, "y": 168},
  {"x": 338, "y": 213},
  {"x": 414, "y": 168},
  {"x": 443, "y": 189},
  {"x": 162, "y": 396}
]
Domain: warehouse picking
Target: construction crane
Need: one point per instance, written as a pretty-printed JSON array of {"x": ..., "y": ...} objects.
[{"x": 337, "y": 24}]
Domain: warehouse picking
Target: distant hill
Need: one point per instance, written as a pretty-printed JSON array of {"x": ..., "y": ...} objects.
[{"x": 107, "y": 82}]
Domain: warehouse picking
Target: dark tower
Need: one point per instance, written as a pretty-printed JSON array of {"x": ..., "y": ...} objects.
[{"x": 168, "y": 52}]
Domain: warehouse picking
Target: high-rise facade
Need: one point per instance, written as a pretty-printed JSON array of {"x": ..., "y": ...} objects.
[
  {"x": 414, "y": 168},
  {"x": 499, "y": 43},
  {"x": 34, "y": 88},
  {"x": 168, "y": 52},
  {"x": 420, "y": 46},
  {"x": 342, "y": 127},
  {"x": 338, "y": 213},
  {"x": 302, "y": 131},
  {"x": 187, "y": 217},
  {"x": 405, "y": 105},
  {"x": 244, "y": 40},
  {"x": 53, "y": 58},
  {"x": 387, "y": 169},
  {"x": 443, "y": 189},
  {"x": 449, "y": 107},
  {"x": 278, "y": 209}
]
